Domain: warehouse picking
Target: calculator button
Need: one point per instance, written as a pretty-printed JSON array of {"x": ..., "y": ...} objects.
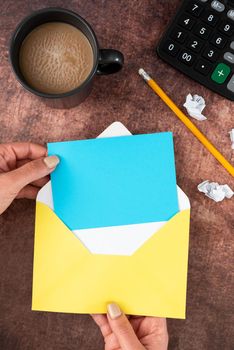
[
  {"x": 230, "y": 14},
  {"x": 186, "y": 57},
  {"x": 179, "y": 35},
  {"x": 186, "y": 22},
  {"x": 218, "y": 40},
  {"x": 171, "y": 48},
  {"x": 220, "y": 73},
  {"x": 203, "y": 67},
  {"x": 195, "y": 8},
  {"x": 210, "y": 18},
  {"x": 211, "y": 54},
  {"x": 202, "y": 31},
  {"x": 195, "y": 44},
  {"x": 228, "y": 56},
  {"x": 217, "y": 6},
  {"x": 232, "y": 45},
  {"x": 230, "y": 85},
  {"x": 226, "y": 28}
]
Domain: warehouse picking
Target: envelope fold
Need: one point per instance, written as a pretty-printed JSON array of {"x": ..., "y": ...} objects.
[{"x": 68, "y": 278}]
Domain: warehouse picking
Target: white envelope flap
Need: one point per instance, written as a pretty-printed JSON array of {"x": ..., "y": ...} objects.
[{"x": 114, "y": 240}]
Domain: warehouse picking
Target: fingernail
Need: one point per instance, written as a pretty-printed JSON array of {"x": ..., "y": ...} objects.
[
  {"x": 113, "y": 311},
  {"x": 51, "y": 161}
]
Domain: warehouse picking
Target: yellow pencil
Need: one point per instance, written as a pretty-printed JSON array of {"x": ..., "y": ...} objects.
[{"x": 192, "y": 127}]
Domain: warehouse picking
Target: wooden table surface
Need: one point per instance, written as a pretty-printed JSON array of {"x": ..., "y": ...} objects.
[{"x": 134, "y": 27}]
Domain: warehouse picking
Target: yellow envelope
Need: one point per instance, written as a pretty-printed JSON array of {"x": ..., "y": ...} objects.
[{"x": 67, "y": 277}]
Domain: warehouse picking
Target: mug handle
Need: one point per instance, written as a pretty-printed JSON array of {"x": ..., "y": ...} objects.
[{"x": 110, "y": 61}]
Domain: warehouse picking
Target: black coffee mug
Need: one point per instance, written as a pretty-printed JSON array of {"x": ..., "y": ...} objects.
[{"x": 106, "y": 61}]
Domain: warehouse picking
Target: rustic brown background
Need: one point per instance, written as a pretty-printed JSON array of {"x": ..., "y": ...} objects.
[{"x": 134, "y": 27}]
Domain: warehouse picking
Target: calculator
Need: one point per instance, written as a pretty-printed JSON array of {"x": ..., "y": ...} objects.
[{"x": 199, "y": 42}]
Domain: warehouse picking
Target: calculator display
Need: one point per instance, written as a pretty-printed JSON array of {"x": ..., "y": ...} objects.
[{"x": 200, "y": 43}]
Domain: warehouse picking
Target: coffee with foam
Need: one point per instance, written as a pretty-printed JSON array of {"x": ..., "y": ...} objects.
[{"x": 55, "y": 58}]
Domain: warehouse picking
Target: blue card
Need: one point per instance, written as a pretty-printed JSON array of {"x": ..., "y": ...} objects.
[{"x": 115, "y": 181}]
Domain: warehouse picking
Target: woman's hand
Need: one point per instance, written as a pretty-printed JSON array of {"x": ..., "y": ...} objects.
[
  {"x": 24, "y": 168},
  {"x": 133, "y": 333}
]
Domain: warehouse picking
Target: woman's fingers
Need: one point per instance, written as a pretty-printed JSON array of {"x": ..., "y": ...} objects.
[
  {"x": 108, "y": 335},
  {"x": 11, "y": 153},
  {"x": 103, "y": 324},
  {"x": 21, "y": 162},
  {"x": 38, "y": 183},
  {"x": 27, "y": 150},
  {"x": 30, "y": 172},
  {"x": 122, "y": 329}
]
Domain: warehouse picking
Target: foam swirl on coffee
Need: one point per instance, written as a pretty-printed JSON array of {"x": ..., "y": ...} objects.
[{"x": 55, "y": 58}]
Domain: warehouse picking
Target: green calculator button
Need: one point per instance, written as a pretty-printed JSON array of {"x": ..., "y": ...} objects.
[{"x": 220, "y": 73}]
